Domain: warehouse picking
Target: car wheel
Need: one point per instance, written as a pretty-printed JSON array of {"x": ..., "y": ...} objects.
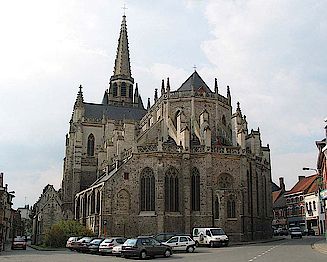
[
  {"x": 212, "y": 244},
  {"x": 190, "y": 249},
  {"x": 167, "y": 253},
  {"x": 143, "y": 254},
  {"x": 196, "y": 243}
]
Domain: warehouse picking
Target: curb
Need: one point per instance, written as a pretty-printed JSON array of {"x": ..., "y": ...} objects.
[
  {"x": 257, "y": 242},
  {"x": 46, "y": 248},
  {"x": 315, "y": 246}
]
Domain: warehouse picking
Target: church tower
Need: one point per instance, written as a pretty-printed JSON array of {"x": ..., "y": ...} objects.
[{"x": 121, "y": 82}]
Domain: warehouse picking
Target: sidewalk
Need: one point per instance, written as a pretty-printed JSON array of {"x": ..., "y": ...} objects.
[
  {"x": 320, "y": 246},
  {"x": 46, "y": 248},
  {"x": 257, "y": 242}
]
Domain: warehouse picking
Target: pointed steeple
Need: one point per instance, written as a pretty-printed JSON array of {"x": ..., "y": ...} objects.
[
  {"x": 122, "y": 62},
  {"x": 216, "y": 86},
  {"x": 156, "y": 95},
  {"x": 168, "y": 85},
  {"x": 229, "y": 96},
  {"x": 148, "y": 106},
  {"x": 105, "y": 98},
  {"x": 121, "y": 82},
  {"x": 162, "y": 87},
  {"x": 79, "y": 99}
]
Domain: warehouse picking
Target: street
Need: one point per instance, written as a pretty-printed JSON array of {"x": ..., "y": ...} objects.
[{"x": 288, "y": 250}]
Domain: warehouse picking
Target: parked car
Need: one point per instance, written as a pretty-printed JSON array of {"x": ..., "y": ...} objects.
[
  {"x": 81, "y": 242},
  {"x": 181, "y": 243},
  {"x": 71, "y": 241},
  {"x": 295, "y": 232},
  {"x": 309, "y": 232},
  {"x": 18, "y": 242},
  {"x": 163, "y": 237},
  {"x": 144, "y": 247},
  {"x": 210, "y": 236},
  {"x": 283, "y": 232},
  {"x": 116, "y": 250},
  {"x": 108, "y": 244},
  {"x": 92, "y": 246}
]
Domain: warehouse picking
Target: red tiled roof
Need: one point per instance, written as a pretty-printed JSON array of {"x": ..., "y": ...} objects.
[
  {"x": 275, "y": 195},
  {"x": 303, "y": 185}
]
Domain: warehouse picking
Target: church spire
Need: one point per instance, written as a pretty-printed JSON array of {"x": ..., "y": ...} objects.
[
  {"x": 122, "y": 62},
  {"x": 121, "y": 82}
]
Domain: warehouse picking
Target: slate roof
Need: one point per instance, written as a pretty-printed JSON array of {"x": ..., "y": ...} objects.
[
  {"x": 303, "y": 185},
  {"x": 113, "y": 112},
  {"x": 280, "y": 201},
  {"x": 274, "y": 187},
  {"x": 194, "y": 81}
]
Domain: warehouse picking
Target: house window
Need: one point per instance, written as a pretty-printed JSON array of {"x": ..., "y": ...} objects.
[
  {"x": 171, "y": 191},
  {"x": 231, "y": 213},
  {"x": 147, "y": 190},
  {"x": 90, "y": 145},
  {"x": 314, "y": 205},
  {"x": 195, "y": 194}
]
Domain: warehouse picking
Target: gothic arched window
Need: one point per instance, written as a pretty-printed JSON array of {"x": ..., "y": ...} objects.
[
  {"x": 114, "y": 89},
  {"x": 223, "y": 119},
  {"x": 195, "y": 192},
  {"x": 231, "y": 212},
  {"x": 147, "y": 190},
  {"x": 90, "y": 145},
  {"x": 123, "y": 89},
  {"x": 216, "y": 211},
  {"x": 171, "y": 190}
]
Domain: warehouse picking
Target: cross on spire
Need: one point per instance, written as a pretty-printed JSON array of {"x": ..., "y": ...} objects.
[
  {"x": 124, "y": 7},
  {"x": 194, "y": 67}
]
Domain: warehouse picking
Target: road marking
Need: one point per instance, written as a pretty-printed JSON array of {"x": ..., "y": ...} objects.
[{"x": 262, "y": 254}]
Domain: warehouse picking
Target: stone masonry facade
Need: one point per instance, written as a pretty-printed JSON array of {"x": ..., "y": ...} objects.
[{"x": 183, "y": 162}]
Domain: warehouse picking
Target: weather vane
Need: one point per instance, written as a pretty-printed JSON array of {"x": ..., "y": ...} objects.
[{"x": 194, "y": 67}]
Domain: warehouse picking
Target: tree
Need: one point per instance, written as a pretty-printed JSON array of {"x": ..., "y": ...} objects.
[{"x": 59, "y": 233}]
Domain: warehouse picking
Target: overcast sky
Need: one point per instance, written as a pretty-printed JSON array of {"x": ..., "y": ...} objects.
[{"x": 271, "y": 53}]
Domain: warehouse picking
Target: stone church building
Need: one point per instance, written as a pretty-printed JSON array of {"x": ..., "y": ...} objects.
[{"x": 186, "y": 161}]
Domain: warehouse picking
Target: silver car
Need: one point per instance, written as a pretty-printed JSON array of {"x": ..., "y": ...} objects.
[
  {"x": 108, "y": 244},
  {"x": 181, "y": 243}
]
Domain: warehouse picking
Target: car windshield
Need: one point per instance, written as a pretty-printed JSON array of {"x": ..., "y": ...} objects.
[
  {"x": 295, "y": 229},
  {"x": 19, "y": 239},
  {"x": 130, "y": 242},
  {"x": 108, "y": 240},
  {"x": 96, "y": 241},
  {"x": 217, "y": 232},
  {"x": 85, "y": 239}
]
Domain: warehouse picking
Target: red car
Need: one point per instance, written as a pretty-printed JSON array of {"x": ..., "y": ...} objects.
[{"x": 18, "y": 242}]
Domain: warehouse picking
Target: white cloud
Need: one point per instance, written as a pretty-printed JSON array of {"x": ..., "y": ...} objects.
[{"x": 270, "y": 54}]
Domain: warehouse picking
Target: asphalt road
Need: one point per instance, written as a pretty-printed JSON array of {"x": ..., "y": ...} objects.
[{"x": 288, "y": 250}]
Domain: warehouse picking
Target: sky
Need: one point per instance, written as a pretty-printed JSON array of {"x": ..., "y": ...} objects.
[{"x": 271, "y": 53}]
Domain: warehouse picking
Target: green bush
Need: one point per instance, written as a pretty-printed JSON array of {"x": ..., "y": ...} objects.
[{"x": 59, "y": 233}]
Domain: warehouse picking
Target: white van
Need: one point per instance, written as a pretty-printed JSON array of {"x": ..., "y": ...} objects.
[{"x": 211, "y": 236}]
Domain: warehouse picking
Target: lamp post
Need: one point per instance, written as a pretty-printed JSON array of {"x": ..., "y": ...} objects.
[{"x": 319, "y": 187}]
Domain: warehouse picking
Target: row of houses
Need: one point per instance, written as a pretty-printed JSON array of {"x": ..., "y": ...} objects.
[
  {"x": 6, "y": 213},
  {"x": 305, "y": 204}
]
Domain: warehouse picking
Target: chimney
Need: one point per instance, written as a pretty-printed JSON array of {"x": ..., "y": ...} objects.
[
  {"x": 1, "y": 179},
  {"x": 281, "y": 184},
  {"x": 301, "y": 177}
]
